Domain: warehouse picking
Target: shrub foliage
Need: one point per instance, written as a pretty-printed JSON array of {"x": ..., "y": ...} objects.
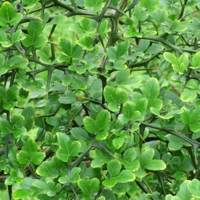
[{"x": 99, "y": 99}]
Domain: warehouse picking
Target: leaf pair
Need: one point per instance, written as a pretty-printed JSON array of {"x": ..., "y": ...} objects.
[
  {"x": 147, "y": 161},
  {"x": 178, "y": 64},
  {"x": 8, "y": 15},
  {"x": 115, "y": 53},
  {"x": 192, "y": 119},
  {"x": 67, "y": 149},
  {"x": 29, "y": 153},
  {"x": 114, "y": 97},
  {"x": 100, "y": 124},
  {"x": 34, "y": 37},
  {"x": 69, "y": 51}
]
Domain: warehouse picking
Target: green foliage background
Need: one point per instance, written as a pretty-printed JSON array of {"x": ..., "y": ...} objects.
[{"x": 99, "y": 99}]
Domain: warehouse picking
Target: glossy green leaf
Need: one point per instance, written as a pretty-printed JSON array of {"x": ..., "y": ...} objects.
[
  {"x": 29, "y": 153},
  {"x": 29, "y": 2},
  {"x": 170, "y": 57},
  {"x": 89, "y": 187},
  {"x": 122, "y": 48},
  {"x": 99, "y": 158},
  {"x": 194, "y": 187},
  {"x": 113, "y": 167},
  {"x": 184, "y": 193},
  {"x": 155, "y": 165},
  {"x": 92, "y": 3},
  {"x": 85, "y": 24},
  {"x": 22, "y": 193},
  {"x": 52, "y": 168},
  {"x": 151, "y": 89},
  {"x": 114, "y": 97},
  {"x": 68, "y": 98},
  {"x": 151, "y": 5},
  {"x": 196, "y": 60},
  {"x": 5, "y": 126},
  {"x": 125, "y": 176},
  {"x": 101, "y": 122},
  {"x": 90, "y": 125},
  {"x": 146, "y": 157},
  {"x": 28, "y": 114},
  {"x": 67, "y": 148},
  {"x": 8, "y": 15},
  {"x": 73, "y": 178},
  {"x": 103, "y": 27}
]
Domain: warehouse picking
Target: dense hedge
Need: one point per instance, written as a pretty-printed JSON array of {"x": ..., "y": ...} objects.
[{"x": 99, "y": 99}]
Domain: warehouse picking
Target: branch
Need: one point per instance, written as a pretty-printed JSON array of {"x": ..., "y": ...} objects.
[{"x": 58, "y": 3}]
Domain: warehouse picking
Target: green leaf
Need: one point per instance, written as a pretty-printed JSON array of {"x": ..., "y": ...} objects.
[
  {"x": 5, "y": 126},
  {"x": 66, "y": 46},
  {"x": 194, "y": 187},
  {"x": 188, "y": 95},
  {"x": 68, "y": 98},
  {"x": 102, "y": 120},
  {"x": 140, "y": 14},
  {"x": 89, "y": 187},
  {"x": 17, "y": 121},
  {"x": 12, "y": 92},
  {"x": 191, "y": 119},
  {"x": 111, "y": 182},
  {"x": 155, "y": 165},
  {"x": 114, "y": 97},
  {"x": 179, "y": 64},
  {"x": 85, "y": 24},
  {"x": 125, "y": 176},
  {"x": 184, "y": 193},
  {"x": 67, "y": 148},
  {"x": 151, "y": 89},
  {"x": 122, "y": 48},
  {"x": 101, "y": 135},
  {"x": 100, "y": 158},
  {"x": 103, "y": 27},
  {"x": 154, "y": 49},
  {"x": 146, "y": 157},
  {"x": 118, "y": 142},
  {"x": 79, "y": 133},
  {"x": 113, "y": 167},
  {"x": 8, "y": 15},
  {"x": 73, "y": 178},
  {"x": 92, "y": 3},
  {"x": 29, "y": 154},
  {"x": 196, "y": 60},
  {"x": 90, "y": 125},
  {"x": 111, "y": 52},
  {"x": 175, "y": 143},
  {"x": 21, "y": 193},
  {"x": 130, "y": 112},
  {"x": 86, "y": 42},
  {"x": 170, "y": 197},
  {"x": 175, "y": 162},
  {"x": 178, "y": 26},
  {"x": 28, "y": 114},
  {"x": 40, "y": 184},
  {"x": 159, "y": 16},
  {"x": 170, "y": 57},
  {"x": 151, "y": 5},
  {"x": 130, "y": 154},
  {"x": 33, "y": 37},
  {"x": 52, "y": 168},
  {"x": 29, "y": 2},
  {"x": 76, "y": 51}
]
